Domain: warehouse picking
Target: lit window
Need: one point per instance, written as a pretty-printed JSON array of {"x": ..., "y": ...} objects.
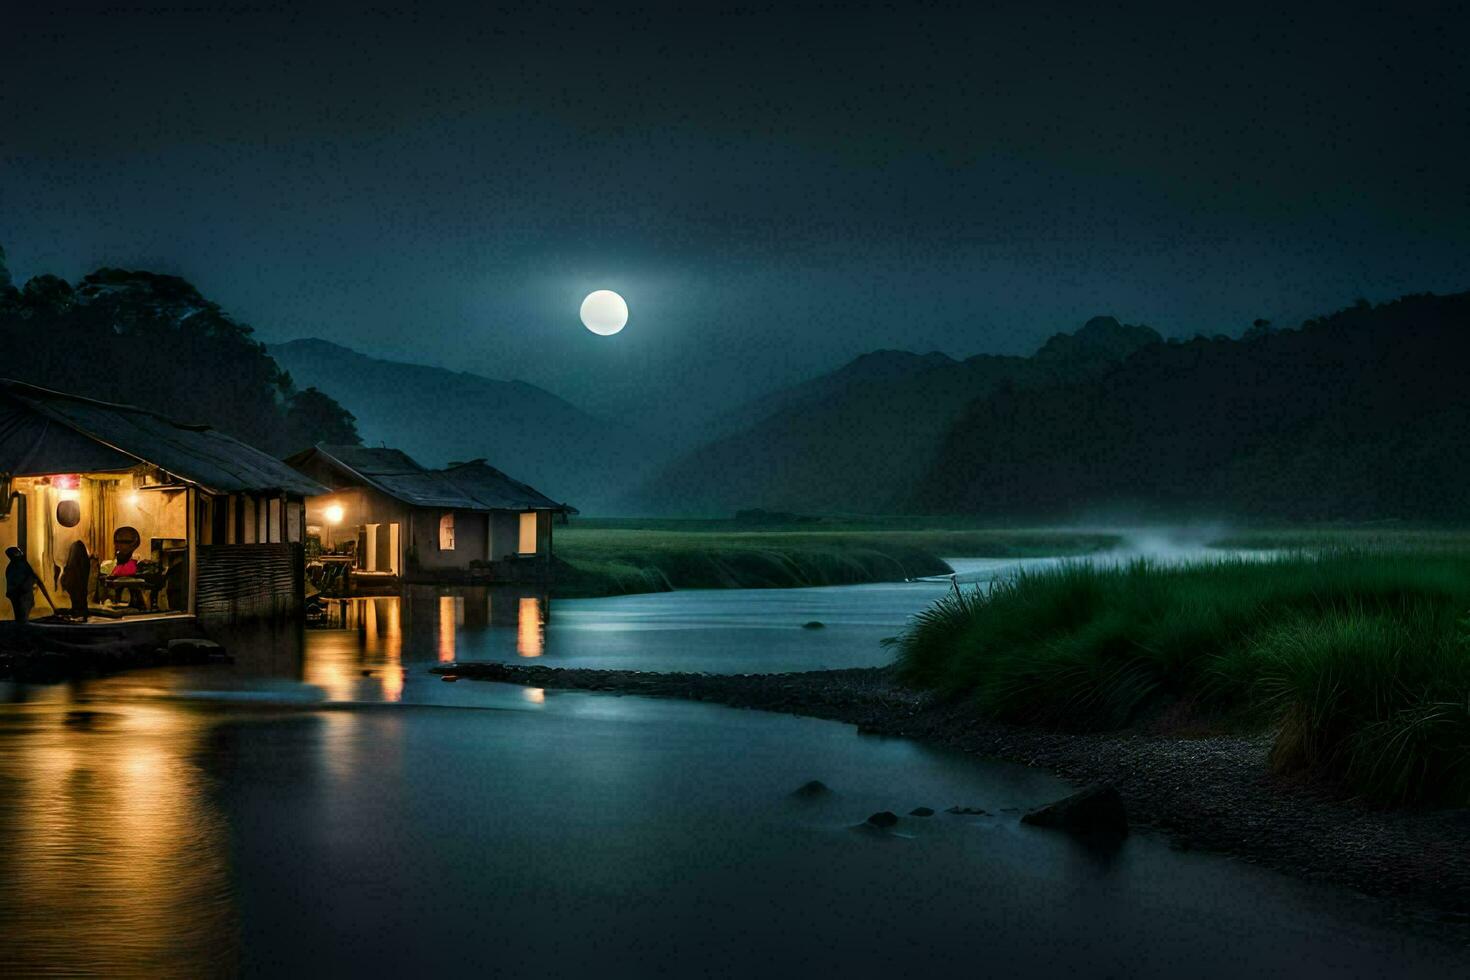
[
  {"x": 528, "y": 534},
  {"x": 446, "y": 532}
]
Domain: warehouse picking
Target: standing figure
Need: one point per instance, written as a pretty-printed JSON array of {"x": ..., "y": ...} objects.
[
  {"x": 76, "y": 577},
  {"x": 21, "y": 581}
]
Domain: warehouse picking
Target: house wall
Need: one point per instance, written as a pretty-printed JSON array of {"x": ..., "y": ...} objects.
[
  {"x": 505, "y": 533},
  {"x": 238, "y": 582},
  {"x": 360, "y": 506},
  {"x": 261, "y": 578},
  {"x": 470, "y": 533}
]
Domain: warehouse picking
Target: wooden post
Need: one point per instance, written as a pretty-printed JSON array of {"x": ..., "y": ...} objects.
[{"x": 191, "y": 521}]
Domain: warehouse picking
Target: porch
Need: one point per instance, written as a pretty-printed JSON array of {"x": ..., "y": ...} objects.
[{"x": 126, "y": 536}]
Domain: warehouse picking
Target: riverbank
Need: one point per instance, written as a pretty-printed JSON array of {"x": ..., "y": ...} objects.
[
  {"x": 622, "y": 557},
  {"x": 1356, "y": 659},
  {"x": 1212, "y": 792}
]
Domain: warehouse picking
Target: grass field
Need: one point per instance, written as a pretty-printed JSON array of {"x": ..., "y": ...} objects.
[
  {"x": 610, "y": 557},
  {"x": 1357, "y": 659}
]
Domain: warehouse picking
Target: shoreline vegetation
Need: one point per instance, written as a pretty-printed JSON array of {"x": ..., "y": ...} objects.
[
  {"x": 1356, "y": 662},
  {"x": 622, "y": 557},
  {"x": 1209, "y": 792}
]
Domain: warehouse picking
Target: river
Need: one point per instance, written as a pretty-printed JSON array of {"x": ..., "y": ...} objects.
[{"x": 330, "y": 807}]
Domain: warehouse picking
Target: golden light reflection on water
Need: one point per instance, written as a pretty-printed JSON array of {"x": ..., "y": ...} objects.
[
  {"x": 530, "y": 636},
  {"x": 374, "y": 643},
  {"x": 535, "y": 695},
  {"x": 115, "y": 860},
  {"x": 451, "y": 616},
  {"x": 364, "y": 660}
]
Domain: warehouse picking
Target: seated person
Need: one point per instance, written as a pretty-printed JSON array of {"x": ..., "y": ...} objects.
[{"x": 125, "y": 541}]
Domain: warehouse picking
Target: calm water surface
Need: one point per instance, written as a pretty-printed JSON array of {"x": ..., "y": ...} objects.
[
  {"x": 336, "y": 809},
  {"x": 715, "y": 630}
]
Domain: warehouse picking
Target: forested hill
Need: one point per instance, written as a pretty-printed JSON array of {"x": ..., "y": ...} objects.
[
  {"x": 1362, "y": 414},
  {"x": 850, "y": 440},
  {"x": 153, "y": 341}
]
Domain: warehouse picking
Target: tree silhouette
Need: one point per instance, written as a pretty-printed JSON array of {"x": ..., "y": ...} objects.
[{"x": 154, "y": 341}]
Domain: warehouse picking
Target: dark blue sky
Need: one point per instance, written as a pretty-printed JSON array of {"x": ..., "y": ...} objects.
[{"x": 774, "y": 189}]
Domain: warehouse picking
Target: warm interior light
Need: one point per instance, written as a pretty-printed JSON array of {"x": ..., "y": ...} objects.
[
  {"x": 333, "y": 513},
  {"x": 133, "y": 499}
]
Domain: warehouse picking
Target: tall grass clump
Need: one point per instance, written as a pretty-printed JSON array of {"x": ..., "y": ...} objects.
[{"x": 1358, "y": 660}]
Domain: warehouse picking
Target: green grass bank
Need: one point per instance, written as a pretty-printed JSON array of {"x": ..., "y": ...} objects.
[
  {"x": 612, "y": 557},
  {"x": 1358, "y": 660}
]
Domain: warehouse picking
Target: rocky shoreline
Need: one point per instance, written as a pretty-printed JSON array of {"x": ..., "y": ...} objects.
[{"x": 1211, "y": 792}]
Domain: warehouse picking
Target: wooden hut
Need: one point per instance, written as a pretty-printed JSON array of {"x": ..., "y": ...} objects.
[
  {"x": 390, "y": 520},
  {"x": 219, "y": 525}
]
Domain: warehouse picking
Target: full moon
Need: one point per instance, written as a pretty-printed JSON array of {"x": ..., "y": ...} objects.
[{"x": 604, "y": 312}]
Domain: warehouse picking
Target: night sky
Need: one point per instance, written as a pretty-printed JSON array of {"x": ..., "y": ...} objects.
[{"x": 774, "y": 190}]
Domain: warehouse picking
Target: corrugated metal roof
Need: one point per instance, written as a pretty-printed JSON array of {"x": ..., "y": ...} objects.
[
  {"x": 466, "y": 486},
  {"x": 125, "y": 435}
]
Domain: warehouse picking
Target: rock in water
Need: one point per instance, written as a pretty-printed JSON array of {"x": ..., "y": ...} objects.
[
  {"x": 811, "y": 790},
  {"x": 815, "y": 624},
  {"x": 883, "y": 819},
  {"x": 921, "y": 811},
  {"x": 1097, "y": 810}
]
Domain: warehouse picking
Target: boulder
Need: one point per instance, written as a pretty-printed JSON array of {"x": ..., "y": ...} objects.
[
  {"x": 811, "y": 789},
  {"x": 815, "y": 624},
  {"x": 921, "y": 811},
  {"x": 973, "y": 811},
  {"x": 1095, "y": 811},
  {"x": 883, "y": 819}
]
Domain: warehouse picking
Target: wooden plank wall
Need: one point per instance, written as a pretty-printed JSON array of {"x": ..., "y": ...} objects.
[{"x": 239, "y": 582}]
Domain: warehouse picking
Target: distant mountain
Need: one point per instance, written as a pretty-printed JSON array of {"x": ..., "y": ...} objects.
[
  {"x": 851, "y": 440},
  {"x": 439, "y": 416},
  {"x": 1358, "y": 415}
]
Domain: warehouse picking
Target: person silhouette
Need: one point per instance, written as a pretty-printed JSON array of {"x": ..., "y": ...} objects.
[
  {"x": 76, "y": 576},
  {"x": 21, "y": 581}
]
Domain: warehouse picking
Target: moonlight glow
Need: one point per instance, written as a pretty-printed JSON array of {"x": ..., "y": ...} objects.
[{"x": 604, "y": 312}]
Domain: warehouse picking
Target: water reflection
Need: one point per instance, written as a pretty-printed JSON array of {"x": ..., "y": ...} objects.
[
  {"x": 530, "y": 630},
  {"x": 208, "y": 820},
  {"x": 428, "y": 623},
  {"x": 451, "y": 616},
  {"x": 114, "y": 858}
]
